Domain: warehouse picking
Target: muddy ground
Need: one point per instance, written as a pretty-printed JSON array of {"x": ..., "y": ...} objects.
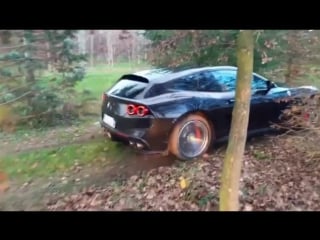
[
  {"x": 35, "y": 194},
  {"x": 277, "y": 175}
]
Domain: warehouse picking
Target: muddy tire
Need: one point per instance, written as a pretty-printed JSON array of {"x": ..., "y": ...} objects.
[{"x": 191, "y": 137}]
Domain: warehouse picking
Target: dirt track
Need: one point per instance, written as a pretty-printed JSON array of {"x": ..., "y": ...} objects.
[
  {"x": 53, "y": 138},
  {"x": 32, "y": 195},
  {"x": 277, "y": 175}
]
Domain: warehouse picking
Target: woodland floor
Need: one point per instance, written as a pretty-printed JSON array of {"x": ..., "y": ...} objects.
[{"x": 277, "y": 175}]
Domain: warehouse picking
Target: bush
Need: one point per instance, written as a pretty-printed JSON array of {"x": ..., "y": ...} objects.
[
  {"x": 302, "y": 121},
  {"x": 302, "y": 113},
  {"x": 38, "y": 100}
]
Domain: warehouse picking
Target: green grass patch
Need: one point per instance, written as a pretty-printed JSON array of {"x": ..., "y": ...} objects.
[
  {"x": 46, "y": 162},
  {"x": 99, "y": 78},
  {"x": 22, "y": 134},
  {"x": 98, "y": 82},
  {"x": 260, "y": 155},
  {"x": 62, "y": 133}
]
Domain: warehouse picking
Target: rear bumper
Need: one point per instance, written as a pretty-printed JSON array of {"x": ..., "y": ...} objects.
[
  {"x": 124, "y": 136},
  {"x": 148, "y": 139}
]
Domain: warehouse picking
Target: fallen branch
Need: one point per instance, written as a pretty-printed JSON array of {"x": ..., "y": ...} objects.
[
  {"x": 15, "y": 89},
  {"x": 10, "y": 47},
  {"x": 34, "y": 115},
  {"x": 16, "y": 99},
  {"x": 12, "y": 63}
]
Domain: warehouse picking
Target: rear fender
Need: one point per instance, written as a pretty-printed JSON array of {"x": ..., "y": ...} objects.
[
  {"x": 196, "y": 112},
  {"x": 172, "y": 108}
]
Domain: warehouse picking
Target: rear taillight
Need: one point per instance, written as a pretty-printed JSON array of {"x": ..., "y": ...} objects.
[{"x": 139, "y": 110}]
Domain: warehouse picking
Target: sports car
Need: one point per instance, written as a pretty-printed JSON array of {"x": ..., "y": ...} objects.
[{"x": 184, "y": 111}]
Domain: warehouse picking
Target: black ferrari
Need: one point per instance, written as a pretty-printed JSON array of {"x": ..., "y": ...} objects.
[{"x": 184, "y": 111}]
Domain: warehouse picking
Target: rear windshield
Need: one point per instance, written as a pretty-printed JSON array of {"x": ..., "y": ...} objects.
[{"x": 128, "y": 89}]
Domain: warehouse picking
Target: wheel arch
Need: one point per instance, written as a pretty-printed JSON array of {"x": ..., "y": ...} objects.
[{"x": 202, "y": 113}]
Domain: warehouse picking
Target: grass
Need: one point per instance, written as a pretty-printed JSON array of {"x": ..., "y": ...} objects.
[
  {"x": 21, "y": 134},
  {"x": 101, "y": 77},
  {"x": 260, "y": 155},
  {"x": 97, "y": 79},
  {"x": 63, "y": 133},
  {"x": 46, "y": 162}
]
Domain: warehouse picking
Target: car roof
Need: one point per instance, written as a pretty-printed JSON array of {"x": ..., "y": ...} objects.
[{"x": 159, "y": 74}]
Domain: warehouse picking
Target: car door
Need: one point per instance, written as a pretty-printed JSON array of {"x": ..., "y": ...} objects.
[
  {"x": 262, "y": 106},
  {"x": 228, "y": 78},
  {"x": 220, "y": 86},
  {"x": 264, "y": 110}
]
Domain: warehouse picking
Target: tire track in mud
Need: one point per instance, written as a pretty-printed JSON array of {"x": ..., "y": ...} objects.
[
  {"x": 52, "y": 139},
  {"x": 35, "y": 195},
  {"x": 32, "y": 195}
]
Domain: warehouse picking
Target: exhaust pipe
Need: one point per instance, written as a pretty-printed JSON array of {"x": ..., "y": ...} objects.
[
  {"x": 136, "y": 145},
  {"x": 139, "y": 146},
  {"x": 108, "y": 134}
]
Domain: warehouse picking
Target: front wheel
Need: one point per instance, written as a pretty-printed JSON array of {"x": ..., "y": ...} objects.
[{"x": 191, "y": 137}]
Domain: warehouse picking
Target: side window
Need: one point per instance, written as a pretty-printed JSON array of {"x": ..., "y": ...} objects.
[
  {"x": 226, "y": 78},
  {"x": 209, "y": 83},
  {"x": 187, "y": 83},
  {"x": 258, "y": 83}
]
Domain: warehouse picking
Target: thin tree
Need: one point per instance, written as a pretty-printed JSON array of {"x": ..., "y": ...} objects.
[
  {"x": 109, "y": 44},
  {"x": 229, "y": 192},
  {"x": 91, "y": 37}
]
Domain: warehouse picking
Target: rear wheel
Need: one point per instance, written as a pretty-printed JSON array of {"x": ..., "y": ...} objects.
[{"x": 191, "y": 137}]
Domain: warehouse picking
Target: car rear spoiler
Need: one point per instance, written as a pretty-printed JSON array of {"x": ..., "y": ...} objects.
[{"x": 134, "y": 78}]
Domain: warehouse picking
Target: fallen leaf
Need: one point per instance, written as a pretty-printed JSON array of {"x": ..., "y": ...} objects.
[
  {"x": 205, "y": 156},
  {"x": 184, "y": 183},
  {"x": 248, "y": 207},
  {"x": 4, "y": 186},
  {"x": 289, "y": 180},
  {"x": 34, "y": 165},
  {"x": 151, "y": 195}
]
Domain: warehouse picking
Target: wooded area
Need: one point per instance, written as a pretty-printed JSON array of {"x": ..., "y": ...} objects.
[
  {"x": 40, "y": 68},
  {"x": 51, "y": 83}
]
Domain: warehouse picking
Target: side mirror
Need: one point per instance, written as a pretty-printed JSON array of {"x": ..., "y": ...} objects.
[{"x": 270, "y": 85}]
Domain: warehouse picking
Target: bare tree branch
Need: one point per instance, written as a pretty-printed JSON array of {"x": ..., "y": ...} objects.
[
  {"x": 16, "y": 99},
  {"x": 10, "y": 47},
  {"x": 15, "y": 89},
  {"x": 11, "y": 63}
]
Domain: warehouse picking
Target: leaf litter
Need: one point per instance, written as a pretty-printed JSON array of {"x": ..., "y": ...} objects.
[{"x": 276, "y": 175}]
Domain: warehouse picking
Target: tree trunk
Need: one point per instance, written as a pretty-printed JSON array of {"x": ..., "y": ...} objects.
[
  {"x": 109, "y": 48},
  {"x": 229, "y": 192},
  {"x": 111, "y": 54},
  {"x": 133, "y": 50},
  {"x": 48, "y": 50},
  {"x": 91, "y": 49},
  {"x": 129, "y": 54},
  {"x": 289, "y": 70},
  {"x": 138, "y": 59},
  {"x": 82, "y": 41}
]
